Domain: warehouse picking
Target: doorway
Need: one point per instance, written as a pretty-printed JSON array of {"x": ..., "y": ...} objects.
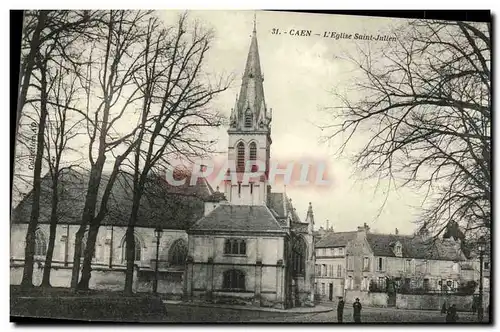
[{"x": 330, "y": 291}]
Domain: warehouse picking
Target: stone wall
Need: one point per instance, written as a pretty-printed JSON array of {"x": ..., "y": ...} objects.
[
  {"x": 114, "y": 280},
  {"x": 366, "y": 298},
  {"x": 413, "y": 301},
  {"x": 109, "y": 244},
  {"x": 264, "y": 279},
  {"x": 434, "y": 301}
]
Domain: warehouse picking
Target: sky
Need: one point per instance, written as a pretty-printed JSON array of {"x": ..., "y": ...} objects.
[{"x": 300, "y": 73}]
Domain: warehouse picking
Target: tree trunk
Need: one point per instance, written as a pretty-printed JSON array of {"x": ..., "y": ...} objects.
[
  {"x": 29, "y": 250},
  {"x": 130, "y": 241},
  {"x": 87, "y": 217},
  {"x": 95, "y": 223},
  {"x": 52, "y": 235},
  {"x": 130, "y": 251},
  {"x": 30, "y": 64},
  {"x": 88, "y": 255}
]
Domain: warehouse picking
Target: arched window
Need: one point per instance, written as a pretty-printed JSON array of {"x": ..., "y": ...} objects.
[
  {"x": 253, "y": 155},
  {"x": 253, "y": 151},
  {"x": 235, "y": 247},
  {"x": 299, "y": 252},
  {"x": 233, "y": 279},
  {"x": 240, "y": 150},
  {"x": 178, "y": 253},
  {"x": 137, "y": 248},
  {"x": 248, "y": 118},
  {"x": 40, "y": 243}
]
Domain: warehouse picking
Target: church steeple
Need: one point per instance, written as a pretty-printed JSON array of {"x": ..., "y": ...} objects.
[
  {"x": 250, "y": 134},
  {"x": 250, "y": 110}
]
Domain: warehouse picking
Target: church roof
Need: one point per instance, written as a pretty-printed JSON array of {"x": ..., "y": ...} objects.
[
  {"x": 277, "y": 203},
  {"x": 163, "y": 205},
  {"x": 282, "y": 205},
  {"x": 239, "y": 218}
]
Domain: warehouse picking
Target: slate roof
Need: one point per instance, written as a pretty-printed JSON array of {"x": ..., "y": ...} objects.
[
  {"x": 332, "y": 240},
  {"x": 163, "y": 205},
  {"x": 238, "y": 218},
  {"x": 415, "y": 247},
  {"x": 276, "y": 203},
  {"x": 281, "y": 204}
]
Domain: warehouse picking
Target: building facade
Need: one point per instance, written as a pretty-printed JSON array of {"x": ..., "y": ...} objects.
[
  {"x": 245, "y": 244},
  {"x": 331, "y": 265},
  {"x": 389, "y": 263},
  {"x": 162, "y": 208},
  {"x": 250, "y": 246}
]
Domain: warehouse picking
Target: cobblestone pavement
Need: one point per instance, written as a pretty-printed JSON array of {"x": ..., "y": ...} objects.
[{"x": 188, "y": 314}]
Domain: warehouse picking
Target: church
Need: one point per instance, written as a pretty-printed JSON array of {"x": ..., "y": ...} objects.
[
  {"x": 244, "y": 245},
  {"x": 250, "y": 246}
]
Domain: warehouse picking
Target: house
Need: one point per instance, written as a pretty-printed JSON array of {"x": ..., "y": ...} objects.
[
  {"x": 330, "y": 269},
  {"x": 363, "y": 261}
]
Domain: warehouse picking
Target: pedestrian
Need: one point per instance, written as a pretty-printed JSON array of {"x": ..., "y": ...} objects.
[
  {"x": 357, "y": 311},
  {"x": 451, "y": 315},
  {"x": 340, "y": 310},
  {"x": 443, "y": 308}
]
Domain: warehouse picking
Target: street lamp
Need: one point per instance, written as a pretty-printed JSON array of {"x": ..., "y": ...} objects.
[
  {"x": 158, "y": 233},
  {"x": 481, "y": 244}
]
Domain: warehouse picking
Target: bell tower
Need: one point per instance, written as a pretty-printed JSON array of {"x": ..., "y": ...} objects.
[{"x": 250, "y": 133}]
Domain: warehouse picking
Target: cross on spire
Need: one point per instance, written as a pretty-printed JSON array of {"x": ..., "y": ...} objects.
[{"x": 254, "y": 22}]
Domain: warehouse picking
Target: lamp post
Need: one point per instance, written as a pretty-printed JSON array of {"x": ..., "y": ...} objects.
[
  {"x": 158, "y": 233},
  {"x": 481, "y": 247}
]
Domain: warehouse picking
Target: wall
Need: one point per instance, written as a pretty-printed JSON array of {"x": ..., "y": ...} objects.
[
  {"x": 105, "y": 237},
  {"x": 205, "y": 279},
  {"x": 356, "y": 251},
  {"x": 420, "y": 269},
  {"x": 433, "y": 301},
  {"x": 113, "y": 280},
  {"x": 366, "y": 298},
  {"x": 268, "y": 250},
  {"x": 413, "y": 302}
]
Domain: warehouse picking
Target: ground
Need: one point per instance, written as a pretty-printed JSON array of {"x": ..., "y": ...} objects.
[
  {"x": 181, "y": 313},
  {"x": 115, "y": 306}
]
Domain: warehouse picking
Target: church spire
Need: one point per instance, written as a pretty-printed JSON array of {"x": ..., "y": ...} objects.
[
  {"x": 251, "y": 102},
  {"x": 254, "y": 23}
]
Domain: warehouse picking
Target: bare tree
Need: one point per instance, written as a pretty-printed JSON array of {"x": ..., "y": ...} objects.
[
  {"x": 61, "y": 128},
  {"x": 425, "y": 104},
  {"x": 52, "y": 34},
  {"x": 174, "y": 112},
  {"x": 116, "y": 54},
  {"x": 45, "y": 27}
]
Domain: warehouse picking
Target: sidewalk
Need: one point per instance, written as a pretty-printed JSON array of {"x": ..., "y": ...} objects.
[{"x": 298, "y": 310}]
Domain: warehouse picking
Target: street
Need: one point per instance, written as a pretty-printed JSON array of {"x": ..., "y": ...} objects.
[{"x": 190, "y": 314}]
